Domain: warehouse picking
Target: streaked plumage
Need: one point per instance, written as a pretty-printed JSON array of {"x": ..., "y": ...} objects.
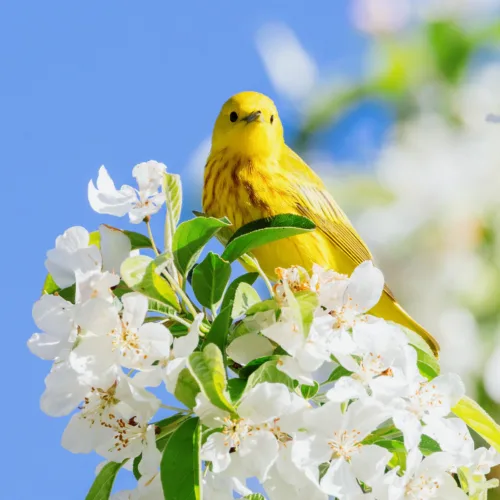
[{"x": 251, "y": 173}]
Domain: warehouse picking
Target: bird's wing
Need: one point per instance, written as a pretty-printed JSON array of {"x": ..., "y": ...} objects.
[{"x": 315, "y": 202}]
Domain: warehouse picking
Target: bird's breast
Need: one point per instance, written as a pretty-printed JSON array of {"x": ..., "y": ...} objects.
[
  {"x": 240, "y": 188},
  {"x": 247, "y": 189}
]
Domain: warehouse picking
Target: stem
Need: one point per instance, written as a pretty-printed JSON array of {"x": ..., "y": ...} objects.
[
  {"x": 181, "y": 292},
  {"x": 214, "y": 312},
  {"x": 173, "y": 317},
  {"x": 175, "y": 408},
  {"x": 150, "y": 233},
  {"x": 264, "y": 277},
  {"x": 184, "y": 322}
]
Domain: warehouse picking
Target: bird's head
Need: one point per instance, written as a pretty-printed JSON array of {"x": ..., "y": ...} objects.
[{"x": 249, "y": 124}]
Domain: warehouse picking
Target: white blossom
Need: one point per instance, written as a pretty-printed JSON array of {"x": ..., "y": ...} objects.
[
  {"x": 307, "y": 353},
  {"x": 54, "y": 316},
  {"x": 422, "y": 480},
  {"x": 382, "y": 364},
  {"x": 112, "y": 420},
  {"x": 72, "y": 254},
  {"x": 170, "y": 355},
  {"x": 287, "y": 481},
  {"x": 222, "y": 487},
  {"x": 482, "y": 460},
  {"x": 336, "y": 438},
  {"x": 95, "y": 309},
  {"x": 426, "y": 401},
  {"x": 137, "y": 203},
  {"x": 248, "y": 445},
  {"x": 115, "y": 248}
]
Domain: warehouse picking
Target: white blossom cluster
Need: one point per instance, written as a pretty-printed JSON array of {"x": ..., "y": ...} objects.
[
  {"x": 382, "y": 387},
  {"x": 334, "y": 403}
]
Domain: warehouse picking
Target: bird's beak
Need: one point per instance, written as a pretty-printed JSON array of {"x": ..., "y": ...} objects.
[{"x": 254, "y": 116}]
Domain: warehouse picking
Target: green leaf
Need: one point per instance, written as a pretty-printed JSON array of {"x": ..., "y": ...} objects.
[
  {"x": 302, "y": 304},
  {"x": 254, "y": 496},
  {"x": 135, "y": 467},
  {"x": 269, "y": 373},
  {"x": 236, "y": 387},
  {"x": 139, "y": 273},
  {"x": 246, "y": 296},
  {"x": 190, "y": 238},
  {"x": 479, "y": 420},
  {"x": 187, "y": 388},
  {"x": 172, "y": 188},
  {"x": 173, "y": 194},
  {"x": 427, "y": 362},
  {"x": 49, "y": 286},
  {"x": 263, "y": 306},
  {"x": 249, "y": 368},
  {"x": 220, "y": 327},
  {"x": 68, "y": 293},
  {"x": 166, "y": 427},
  {"x": 103, "y": 483},
  {"x": 180, "y": 467},
  {"x": 121, "y": 289},
  {"x": 388, "y": 433},
  {"x": 210, "y": 278},
  {"x": 451, "y": 49},
  {"x": 219, "y": 330},
  {"x": 154, "y": 305},
  {"x": 137, "y": 240},
  {"x": 339, "y": 372},
  {"x": 229, "y": 296},
  {"x": 398, "y": 450},
  {"x": 309, "y": 391},
  {"x": 428, "y": 445},
  {"x": 425, "y": 370},
  {"x": 207, "y": 367},
  {"x": 263, "y": 231},
  {"x": 308, "y": 303}
]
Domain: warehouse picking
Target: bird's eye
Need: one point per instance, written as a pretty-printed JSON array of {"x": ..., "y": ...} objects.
[
  {"x": 272, "y": 118},
  {"x": 233, "y": 116}
]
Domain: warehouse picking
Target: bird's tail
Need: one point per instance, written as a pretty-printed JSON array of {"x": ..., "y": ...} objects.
[{"x": 389, "y": 309}]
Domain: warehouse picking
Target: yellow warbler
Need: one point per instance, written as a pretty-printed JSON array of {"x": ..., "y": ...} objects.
[{"x": 251, "y": 173}]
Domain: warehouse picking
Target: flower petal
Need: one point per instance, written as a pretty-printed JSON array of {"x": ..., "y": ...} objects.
[
  {"x": 115, "y": 248},
  {"x": 106, "y": 199},
  {"x": 216, "y": 451},
  {"x": 258, "y": 452},
  {"x": 264, "y": 402},
  {"x": 184, "y": 346},
  {"x": 135, "y": 308},
  {"x": 369, "y": 463},
  {"x": 339, "y": 480},
  {"x": 365, "y": 286}
]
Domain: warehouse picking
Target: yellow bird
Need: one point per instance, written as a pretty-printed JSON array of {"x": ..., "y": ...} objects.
[{"x": 251, "y": 173}]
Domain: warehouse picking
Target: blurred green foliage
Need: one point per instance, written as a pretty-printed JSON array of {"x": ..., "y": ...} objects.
[{"x": 438, "y": 52}]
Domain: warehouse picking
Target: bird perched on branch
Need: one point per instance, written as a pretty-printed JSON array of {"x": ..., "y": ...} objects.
[{"x": 251, "y": 174}]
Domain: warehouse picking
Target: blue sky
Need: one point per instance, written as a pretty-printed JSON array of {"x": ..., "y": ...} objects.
[{"x": 113, "y": 83}]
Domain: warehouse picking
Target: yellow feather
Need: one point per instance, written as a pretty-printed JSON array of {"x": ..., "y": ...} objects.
[{"x": 251, "y": 173}]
